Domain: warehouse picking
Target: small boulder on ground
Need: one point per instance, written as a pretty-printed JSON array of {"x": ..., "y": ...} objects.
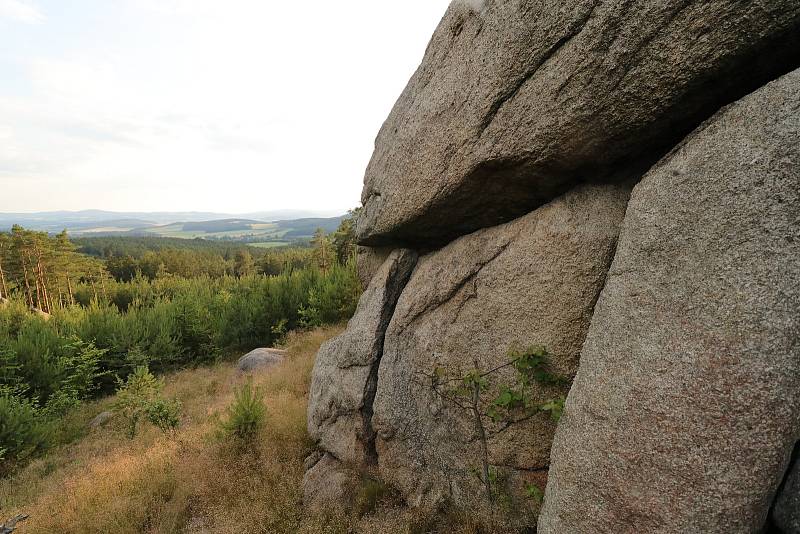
[
  {"x": 260, "y": 359},
  {"x": 197, "y": 525},
  {"x": 3, "y": 302},
  {"x": 101, "y": 419}
]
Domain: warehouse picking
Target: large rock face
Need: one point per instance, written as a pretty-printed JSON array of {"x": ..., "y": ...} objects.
[
  {"x": 516, "y": 103},
  {"x": 346, "y": 368},
  {"x": 531, "y": 282},
  {"x": 686, "y": 406}
]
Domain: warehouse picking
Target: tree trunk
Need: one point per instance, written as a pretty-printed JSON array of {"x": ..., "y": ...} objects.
[
  {"x": 42, "y": 286},
  {"x": 28, "y": 290},
  {"x": 3, "y": 286},
  {"x": 476, "y": 412},
  {"x": 46, "y": 304},
  {"x": 69, "y": 289}
]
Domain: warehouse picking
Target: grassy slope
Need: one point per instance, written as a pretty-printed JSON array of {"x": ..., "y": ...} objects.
[
  {"x": 158, "y": 484},
  {"x": 198, "y": 481}
]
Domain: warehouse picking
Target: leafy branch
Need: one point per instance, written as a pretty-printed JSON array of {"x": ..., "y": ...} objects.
[{"x": 511, "y": 403}]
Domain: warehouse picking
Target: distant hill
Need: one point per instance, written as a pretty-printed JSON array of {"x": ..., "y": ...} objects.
[
  {"x": 66, "y": 219},
  {"x": 94, "y": 221},
  {"x": 306, "y": 227},
  {"x": 136, "y": 247},
  {"x": 226, "y": 230},
  {"x": 106, "y": 226},
  {"x": 244, "y": 230},
  {"x": 222, "y": 225}
]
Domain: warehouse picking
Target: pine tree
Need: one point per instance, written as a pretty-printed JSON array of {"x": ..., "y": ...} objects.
[
  {"x": 344, "y": 239},
  {"x": 5, "y": 244},
  {"x": 45, "y": 269},
  {"x": 323, "y": 250},
  {"x": 66, "y": 260},
  {"x": 243, "y": 264}
]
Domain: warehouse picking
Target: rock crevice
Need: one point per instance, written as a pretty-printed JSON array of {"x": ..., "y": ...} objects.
[
  {"x": 345, "y": 372},
  {"x": 515, "y": 88}
]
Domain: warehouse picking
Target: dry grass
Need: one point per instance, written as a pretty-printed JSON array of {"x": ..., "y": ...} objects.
[{"x": 197, "y": 481}]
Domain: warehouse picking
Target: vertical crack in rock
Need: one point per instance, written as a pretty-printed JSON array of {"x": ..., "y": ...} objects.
[
  {"x": 613, "y": 245},
  {"x": 398, "y": 278},
  {"x": 344, "y": 380}
]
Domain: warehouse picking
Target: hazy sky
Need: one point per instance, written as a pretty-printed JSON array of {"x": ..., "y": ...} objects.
[{"x": 218, "y": 105}]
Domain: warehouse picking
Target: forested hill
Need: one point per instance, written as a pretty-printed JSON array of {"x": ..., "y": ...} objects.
[
  {"x": 136, "y": 246},
  {"x": 261, "y": 232}
]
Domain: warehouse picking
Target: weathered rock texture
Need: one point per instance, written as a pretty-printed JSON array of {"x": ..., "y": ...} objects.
[
  {"x": 516, "y": 103},
  {"x": 368, "y": 261},
  {"x": 531, "y": 282},
  {"x": 346, "y": 369},
  {"x": 686, "y": 406},
  {"x": 327, "y": 483},
  {"x": 786, "y": 512}
]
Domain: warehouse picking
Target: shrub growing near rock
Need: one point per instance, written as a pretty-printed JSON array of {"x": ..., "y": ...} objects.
[{"x": 246, "y": 414}]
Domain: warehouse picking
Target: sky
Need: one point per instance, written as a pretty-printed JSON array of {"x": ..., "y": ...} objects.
[{"x": 231, "y": 106}]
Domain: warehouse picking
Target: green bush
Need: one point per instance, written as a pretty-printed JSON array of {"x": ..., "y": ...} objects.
[
  {"x": 164, "y": 414},
  {"x": 135, "y": 396},
  {"x": 78, "y": 371},
  {"x": 23, "y": 429},
  {"x": 246, "y": 415}
]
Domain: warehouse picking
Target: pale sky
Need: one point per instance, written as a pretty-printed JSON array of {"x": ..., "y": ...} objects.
[{"x": 211, "y": 105}]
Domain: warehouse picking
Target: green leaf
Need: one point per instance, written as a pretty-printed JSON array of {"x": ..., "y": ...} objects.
[
  {"x": 493, "y": 414},
  {"x": 534, "y": 493},
  {"x": 555, "y": 407}
]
